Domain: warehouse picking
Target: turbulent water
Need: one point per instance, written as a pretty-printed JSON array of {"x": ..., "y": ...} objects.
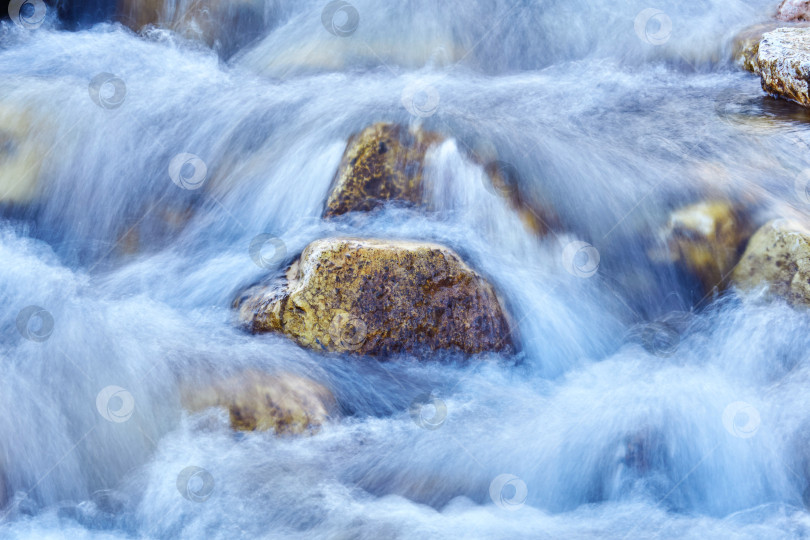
[{"x": 700, "y": 434}]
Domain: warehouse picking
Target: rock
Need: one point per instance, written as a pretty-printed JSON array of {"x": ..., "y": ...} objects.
[
  {"x": 284, "y": 403},
  {"x": 537, "y": 217},
  {"x": 784, "y": 63},
  {"x": 794, "y": 10},
  {"x": 778, "y": 256},
  {"x": 160, "y": 221},
  {"x": 382, "y": 163},
  {"x": 224, "y": 25},
  {"x": 377, "y": 297},
  {"x": 706, "y": 239},
  {"x": 385, "y": 163},
  {"x": 745, "y": 47}
]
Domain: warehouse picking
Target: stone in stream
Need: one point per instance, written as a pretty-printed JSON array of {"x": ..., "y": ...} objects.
[
  {"x": 382, "y": 163},
  {"x": 784, "y": 63},
  {"x": 225, "y": 25},
  {"x": 745, "y": 47},
  {"x": 385, "y": 163},
  {"x": 794, "y": 10},
  {"x": 21, "y": 150},
  {"x": 379, "y": 297},
  {"x": 778, "y": 256},
  {"x": 706, "y": 239},
  {"x": 284, "y": 403}
]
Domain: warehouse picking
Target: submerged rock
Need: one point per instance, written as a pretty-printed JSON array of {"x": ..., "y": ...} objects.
[
  {"x": 290, "y": 54},
  {"x": 706, "y": 239},
  {"x": 20, "y": 156},
  {"x": 377, "y": 297},
  {"x": 794, "y": 10},
  {"x": 778, "y": 256},
  {"x": 284, "y": 403},
  {"x": 537, "y": 217},
  {"x": 784, "y": 63},
  {"x": 382, "y": 163}
]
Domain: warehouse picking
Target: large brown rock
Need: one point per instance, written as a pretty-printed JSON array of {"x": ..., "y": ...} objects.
[
  {"x": 778, "y": 256},
  {"x": 382, "y": 163},
  {"x": 707, "y": 238},
  {"x": 784, "y": 63},
  {"x": 284, "y": 403},
  {"x": 377, "y": 297}
]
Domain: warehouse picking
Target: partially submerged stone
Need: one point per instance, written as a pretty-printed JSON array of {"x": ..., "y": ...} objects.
[
  {"x": 778, "y": 256},
  {"x": 283, "y": 402},
  {"x": 745, "y": 48},
  {"x": 378, "y": 297},
  {"x": 504, "y": 179},
  {"x": 382, "y": 163},
  {"x": 222, "y": 24},
  {"x": 706, "y": 239},
  {"x": 784, "y": 63}
]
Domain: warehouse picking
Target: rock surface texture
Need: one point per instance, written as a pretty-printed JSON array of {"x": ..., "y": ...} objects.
[
  {"x": 377, "y": 297},
  {"x": 382, "y": 163},
  {"x": 784, "y": 63},
  {"x": 746, "y": 45},
  {"x": 284, "y": 403},
  {"x": 778, "y": 256}
]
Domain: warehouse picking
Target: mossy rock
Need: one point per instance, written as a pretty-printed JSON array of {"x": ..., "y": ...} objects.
[
  {"x": 778, "y": 256},
  {"x": 283, "y": 403},
  {"x": 379, "y": 297},
  {"x": 382, "y": 163}
]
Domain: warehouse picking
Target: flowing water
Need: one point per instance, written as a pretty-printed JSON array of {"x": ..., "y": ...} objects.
[{"x": 699, "y": 434}]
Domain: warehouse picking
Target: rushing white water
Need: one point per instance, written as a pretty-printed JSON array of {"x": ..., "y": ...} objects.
[{"x": 701, "y": 436}]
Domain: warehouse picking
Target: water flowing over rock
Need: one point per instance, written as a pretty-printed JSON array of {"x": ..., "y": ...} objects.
[
  {"x": 380, "y": 297},
  {"x": 20, "y": 157},
  {"x": 225, "y": 25},
  {"x": 301, "y": 54},
  {"x": 382, "y": 163},
  {"x": 784, "y": 63},
  {"x": 285, "y": 403},
  {"x": 707, "y": 238},
  {"x": 778, "y": 256},
  {"x": 385, "y": 163}
]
